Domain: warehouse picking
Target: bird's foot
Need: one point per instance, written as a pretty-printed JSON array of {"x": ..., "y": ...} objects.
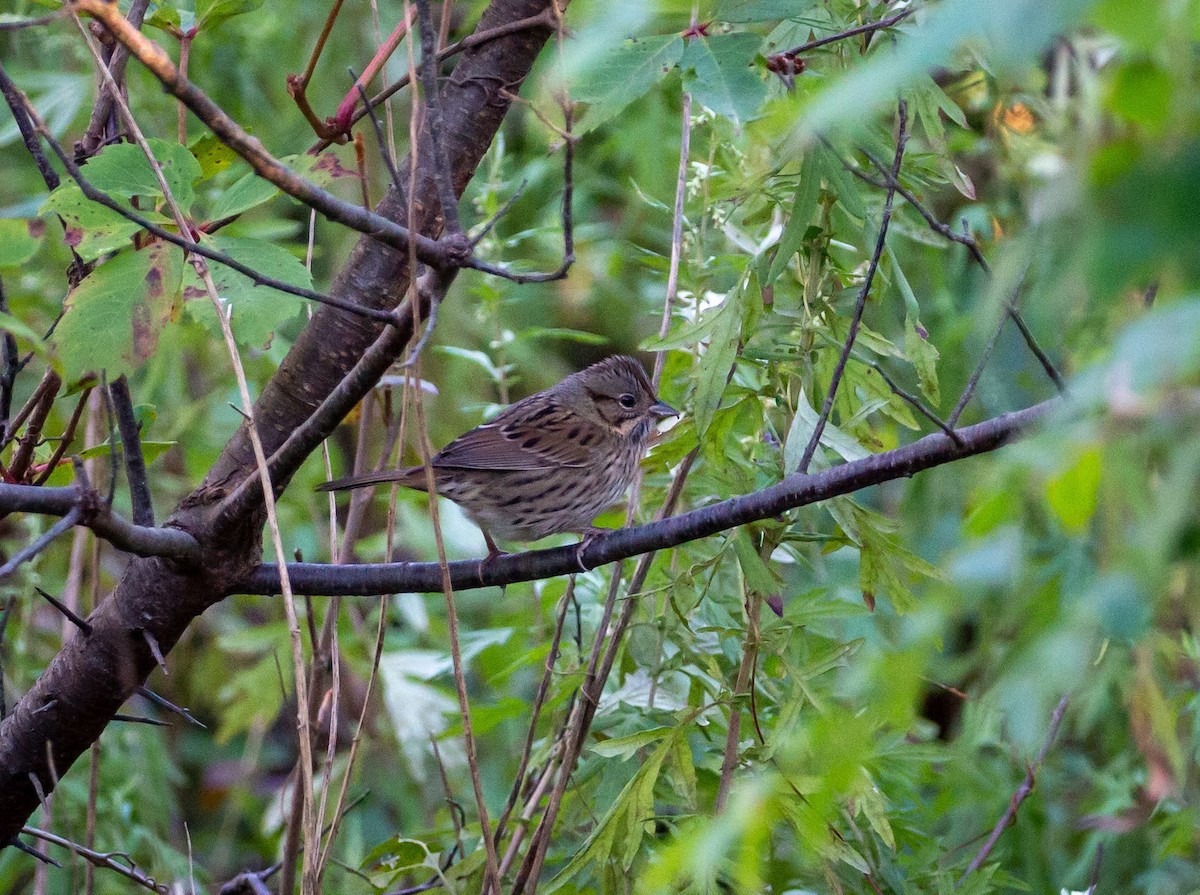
[
  {"x": 494, "y": 553},
  {"x": 588, "y": 535}
]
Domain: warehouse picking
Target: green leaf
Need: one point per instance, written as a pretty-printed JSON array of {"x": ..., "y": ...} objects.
[
  {"x": 756, "y": 572},
  {"x": 629, "y": 746},
  {"x": 718, "y": 357},
  {"x": 89, "y": 228},
  {"x": 64, "y": 473},
  {"x": 719, "y": 73},
  {"x": 1141, "y": 92},
  {"x": 22, "y": 330},
  {"x": 625, "y": 74},
  {"x": 804, "y": 423},
  {"x": 113, "y": 318},
  {"x": 1073, "y": 495},
  {"x": 248, "y": 192},
  {"x": 808, "y": 188},
  {"x": 761, "y": 10},
  {"x": 924, "y": 357},
  {"x": 20, "y": 238},
  {"x": 124, "y": 170},
  {"x": 258, "y": 311},
  {"x": 57, "y": 97},
  {"x": 210, "y": 13}
]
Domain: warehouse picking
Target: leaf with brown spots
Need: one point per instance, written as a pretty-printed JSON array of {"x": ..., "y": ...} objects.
[
  {"x": 113, "y": 318},
  {"x": 89, "y": 228}
]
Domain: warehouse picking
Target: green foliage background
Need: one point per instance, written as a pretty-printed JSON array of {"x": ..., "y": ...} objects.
[{"x": 1063, "y": 135}]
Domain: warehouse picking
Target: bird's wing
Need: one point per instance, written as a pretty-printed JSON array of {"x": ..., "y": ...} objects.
[{"x": 527, "y": 436}]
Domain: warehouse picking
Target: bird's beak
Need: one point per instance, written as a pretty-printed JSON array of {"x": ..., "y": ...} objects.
[{"x": 661, "y": 410}]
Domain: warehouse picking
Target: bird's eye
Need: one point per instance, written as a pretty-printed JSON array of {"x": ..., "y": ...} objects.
[{"x": 627, "y": 401}]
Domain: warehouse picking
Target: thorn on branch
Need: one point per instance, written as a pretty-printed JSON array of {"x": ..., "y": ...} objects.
[
  {"x": 71, "y": 616},
  {"x": 165, "y": 703},
  {"x": 140, "y": 719},
  {"x": 152, "y": 642}
]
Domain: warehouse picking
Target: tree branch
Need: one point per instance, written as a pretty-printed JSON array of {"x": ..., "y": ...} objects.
[
  {"x": 794, "y": 491},
  {"x": 251, "y": 149},
  {"x": 70, "y": 703},
  {"x": 168, "y": 543}
]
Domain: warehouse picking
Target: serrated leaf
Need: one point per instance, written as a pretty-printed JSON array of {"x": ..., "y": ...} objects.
[
  {"x": 718, "y": 73},
  {"x": 210, "y": 13},
  {"x": 924, "y": 357},
  {"x": 124, "y": 170},
  {"x": 20, "y": 238},
  {"x": 625, "y": 74},
  {"x": 804, "y": 203},
  {"x": 761, "y": 10},
  {"x": 64, "y": 473},
  {"x": 113, "y": 318},
  {"x": 756, "y": 572},
  {"x": 713, "y": 371},
  {"x": 258, "y": 311},
  {"x": 628, "y": 746},
  {"x": 248, "y": 192},
  {"x": 89, "y": 228},
  {"x": 804, "y": 423}
]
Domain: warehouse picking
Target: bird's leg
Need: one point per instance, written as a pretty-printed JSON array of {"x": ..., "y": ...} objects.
[
  {"x": 586, "y": 536},
  {"x": 493, "y": 552}
]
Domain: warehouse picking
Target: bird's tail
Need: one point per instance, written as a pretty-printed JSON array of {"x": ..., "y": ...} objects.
[{"x": 410, "y": 477}]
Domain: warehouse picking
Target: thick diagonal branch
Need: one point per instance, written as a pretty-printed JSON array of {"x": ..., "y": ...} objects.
[{"x": 72, "y": 701}]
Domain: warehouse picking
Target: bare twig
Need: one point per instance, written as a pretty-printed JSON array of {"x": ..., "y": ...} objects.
[
  {"x": 1023, "y": 791},
  {"x": 60, "y": 527},
  {"x": 850, "y": 32},
  {"x": 66, "y": 611},
  {"x": 17, "y": 104},
  {"x": 539, "y": 700},
  {"x": 794, "y": 491},
  {"x": 381, "y": 140},
  {"x": 162, "y": 702},
  {"x": 39, "y": 404},
  {"x": 297, "y": 85},
  {"x": 97, "y": 133},
  {"x": 251, "y": 149},
  {"x": 891, "y": 182},
  {"x": 567, "y": 218},
  {"x": 860, "y": 305},
  {"x": 135, "y": 461},
  {"x": 66, "y": 440},
  {"x": 106, "y": 860},
  {"x": 169, "y": 543}
]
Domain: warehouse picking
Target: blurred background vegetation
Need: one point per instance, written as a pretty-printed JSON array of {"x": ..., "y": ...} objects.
[{"x": 930, "y": 626}]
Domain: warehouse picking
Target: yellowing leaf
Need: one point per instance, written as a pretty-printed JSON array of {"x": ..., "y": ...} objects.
[
  {"x": 1073, "y": 494},
  {"x": 924, "y": 359},
  {"x": 114, "y": 317}
]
